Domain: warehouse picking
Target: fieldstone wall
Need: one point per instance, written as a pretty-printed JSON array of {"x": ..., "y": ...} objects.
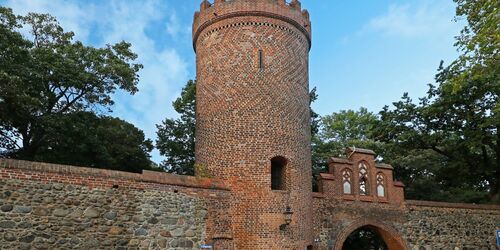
[
  {"x": 46, "y": 206},
  {"x": 334, "y": 220},
  {"x": 433, "y": 225},
  {"x": 415, "y": 225},
  {"x": 100, "y": 209}
]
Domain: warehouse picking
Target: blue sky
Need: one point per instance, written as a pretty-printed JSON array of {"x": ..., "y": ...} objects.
[{"x": 365, "y": 53}]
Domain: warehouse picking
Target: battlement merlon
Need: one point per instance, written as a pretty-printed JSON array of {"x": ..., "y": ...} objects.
[{"x": 211, "y": 13}]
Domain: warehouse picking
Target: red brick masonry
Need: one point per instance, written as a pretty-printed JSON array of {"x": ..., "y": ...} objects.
[{"x": 92, "y": 177}]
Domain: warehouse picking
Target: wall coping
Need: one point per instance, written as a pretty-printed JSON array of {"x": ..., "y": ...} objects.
[
  {"x": 384, "y": 166},
  {"x": 339, "y": 160},
  {"x": 146, "y": 176},
  {"x": 399, "y": 184},
  {"x": 452, "y": 205},
  {"x": 326, "y": 176},
  {"x": 353, "y": 150}
]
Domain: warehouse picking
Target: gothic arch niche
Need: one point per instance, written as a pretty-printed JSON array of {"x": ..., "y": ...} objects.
[
  {"x": 390, "y": 237},
  {"x": 347, "y": 181},
  {"x": 364, "y": 179}
]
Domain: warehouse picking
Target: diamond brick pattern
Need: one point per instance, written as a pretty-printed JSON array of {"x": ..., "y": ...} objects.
[{"x": 246, "y": 115}]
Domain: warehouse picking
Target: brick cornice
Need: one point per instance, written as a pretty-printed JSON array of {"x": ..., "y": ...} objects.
[
  {"x": 291, "y": 21},
  {"x": 146, "y": 176}
]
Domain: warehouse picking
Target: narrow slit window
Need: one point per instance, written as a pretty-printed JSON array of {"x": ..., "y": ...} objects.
[{"x": 261, "y": 60}]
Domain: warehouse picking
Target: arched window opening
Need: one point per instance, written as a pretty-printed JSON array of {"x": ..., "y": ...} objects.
[
  {"x": 380, "y": 185},
  {"x": 347, "y": 181},
  {"x": 363, "y": 179},
  {"x": 278, "y": 165}
]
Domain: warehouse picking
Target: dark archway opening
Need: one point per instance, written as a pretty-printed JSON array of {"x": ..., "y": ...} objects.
[{"x": 365, "y": 238}]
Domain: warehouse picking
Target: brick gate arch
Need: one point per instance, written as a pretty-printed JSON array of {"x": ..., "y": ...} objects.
[{"x": 390, "y": 236}]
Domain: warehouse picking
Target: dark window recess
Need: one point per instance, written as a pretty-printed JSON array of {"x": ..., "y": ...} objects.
[
  {"x": 261, "y": 60},
  {"x": 278, "y": 165}
]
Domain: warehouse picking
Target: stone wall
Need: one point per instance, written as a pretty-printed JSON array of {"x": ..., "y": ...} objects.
[
  {"x": 334, "y": 220},
  {"x": 415, "y": 225},
  {"x": 44, "y": 206},
  {"x": 432, "y": 225}
]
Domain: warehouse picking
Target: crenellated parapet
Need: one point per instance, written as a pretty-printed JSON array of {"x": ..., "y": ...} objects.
[{"x": 217, "y": 10}]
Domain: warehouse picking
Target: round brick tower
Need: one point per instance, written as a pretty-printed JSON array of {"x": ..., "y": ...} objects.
[{"x": 253, "y": 121}]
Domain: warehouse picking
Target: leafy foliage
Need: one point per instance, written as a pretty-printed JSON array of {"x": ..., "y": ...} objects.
[
  {"x": 50, "y": 87},
  {"x": 176, "y": 137},
  {"x": 341, "y": 130},
  {"x": 85, "y": 139},
  {"x": 425, "y": 172},
  {"x": 50, "y": 75},
  {"x": 458, "y": 121},
  {"x": 315, "y": 119}
]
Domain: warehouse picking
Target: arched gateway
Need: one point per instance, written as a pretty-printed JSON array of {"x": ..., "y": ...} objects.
[
  {"x": 359, "y": 196},
  {"x": 389, "y": 235}
]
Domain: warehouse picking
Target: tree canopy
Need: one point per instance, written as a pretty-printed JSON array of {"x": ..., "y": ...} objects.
[
  {"x": 86, "y": 139},
  {"x": 341, "y": 130},
  {"x": 51, "y": 90},
  {"x": 458, "y": 121},
  {"x": 46, "y": 74},
  {"x": 176, "y": 137}
]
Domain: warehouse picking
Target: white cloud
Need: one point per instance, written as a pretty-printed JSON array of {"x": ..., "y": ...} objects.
[
  {"x": 113, "y": 21},
  {"x": 72, "y": 16},
  {"x": 173, "y": 26},
  {"x": 422, "y": 18}
]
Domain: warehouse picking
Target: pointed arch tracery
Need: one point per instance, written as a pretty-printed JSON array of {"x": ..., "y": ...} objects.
[
  {"x": 381, "y": 190},
  {"x": 347, "y": 181},
  {"x": 363, "y": 179}
]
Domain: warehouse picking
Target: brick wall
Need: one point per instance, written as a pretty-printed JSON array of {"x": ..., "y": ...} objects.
[
  {"x": 251, "y": 109},
  {"x": 47, "y": 206},
  {"x": 342, "y": 170},
  {"x": 419, "y": 225},
  {"x": 416, "y": 225}
]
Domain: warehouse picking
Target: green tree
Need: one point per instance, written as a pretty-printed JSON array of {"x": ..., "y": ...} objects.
[
  {"x": 47, "y": 74},
  {"x": 176, "y": 137},
  {"x": 347, "y": 128},
  {"x": 85, "y": 139},
  {"x": 315, "y": 118},
  {"x": 459, "y": 118}
]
